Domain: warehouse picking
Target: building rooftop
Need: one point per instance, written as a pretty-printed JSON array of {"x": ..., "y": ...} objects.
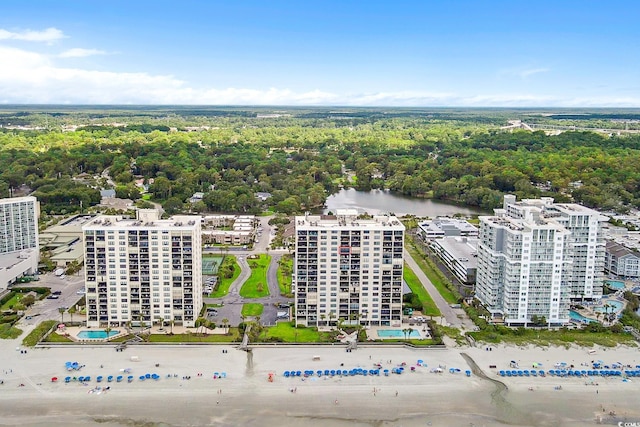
[
  {"x": 448, "y": 227},
  {"x": 8, "y": 260},
  {"x": 464, "y": 249},
  {"x": 347, "y": 217},
  {"x": 17, "y": 199},
  {"x": 117, "y": 221}
]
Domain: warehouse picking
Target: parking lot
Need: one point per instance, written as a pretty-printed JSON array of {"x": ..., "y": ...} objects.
[{"x": 66, "y": 291}]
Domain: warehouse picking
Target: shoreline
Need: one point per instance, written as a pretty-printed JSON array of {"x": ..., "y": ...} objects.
[{"x": 246, "y": 397}]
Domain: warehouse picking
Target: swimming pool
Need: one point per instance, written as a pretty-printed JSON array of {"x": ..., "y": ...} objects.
[
  {"x": 574, "y": 315},
  {"x": 397, "y": 333},
  {"x": 96, "y": 334},
  {"x": 617, "y": 306},
  {"x": 615, "y": 284}
]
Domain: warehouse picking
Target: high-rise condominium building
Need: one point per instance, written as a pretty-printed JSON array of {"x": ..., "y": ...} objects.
[
  {"x": 348, "y": 269},
  {"x": 535, "y": 256},
  {"x": 144, "y": 270},
  {"x": 18, "y": 238}
]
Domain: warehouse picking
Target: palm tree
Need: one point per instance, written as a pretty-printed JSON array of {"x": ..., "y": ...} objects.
[
  {"x": 332, "y": 316},
  {"x": 407, "y": 333},
  {"x": 172, "y": 323},
  {"x": 225, "y": 323},
  {"x": 606, "y": 312},
  {"x": 61, "y": 311},
  {"x": 322, "y": 317}
]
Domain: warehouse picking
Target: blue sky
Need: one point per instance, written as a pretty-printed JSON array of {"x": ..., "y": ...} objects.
[{"x": 562, "y": 53}]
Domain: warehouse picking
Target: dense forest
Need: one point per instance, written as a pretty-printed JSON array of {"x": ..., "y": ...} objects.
[{"x": 300, "y": 156}]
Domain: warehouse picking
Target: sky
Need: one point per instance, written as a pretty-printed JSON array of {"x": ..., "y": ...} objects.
[{"x": 422, "y": 53}]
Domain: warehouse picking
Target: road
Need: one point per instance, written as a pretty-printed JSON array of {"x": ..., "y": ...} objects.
[{"x": 449, "y": 313}]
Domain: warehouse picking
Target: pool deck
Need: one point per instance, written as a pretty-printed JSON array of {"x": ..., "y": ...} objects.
[
  {"x": 590, "y": 313},
  {"x": 72, "y": 332},
  {"x": 423, "y": 330}
]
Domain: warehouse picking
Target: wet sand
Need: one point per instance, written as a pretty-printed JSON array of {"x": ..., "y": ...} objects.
[{"x": 247, "y": 398}]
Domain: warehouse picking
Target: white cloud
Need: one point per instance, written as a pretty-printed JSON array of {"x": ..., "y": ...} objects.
[
  {"x": 29, "y": 77},
  {"x": 49, "y": 35},
  {"x": 81, "y": 53},
  {"x": 523, "y": 72},
  {"x": 530, "y": 72}
]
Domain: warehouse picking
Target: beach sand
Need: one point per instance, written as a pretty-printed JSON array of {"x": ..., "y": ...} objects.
[{"x": 246, "y": 397}]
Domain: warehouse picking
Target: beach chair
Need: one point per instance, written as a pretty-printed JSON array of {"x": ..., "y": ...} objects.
[{"x": 119, "y": 378}]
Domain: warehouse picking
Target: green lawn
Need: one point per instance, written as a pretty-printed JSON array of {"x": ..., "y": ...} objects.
[
  {"x": 431, "y": 274},
  {"x": 288, "y": 333},
  {"x": 233, "y": 336},
  {"x": 285, "y": 268},
  {"x": 251, "y": 309},
  {"x": 429, "y": 307},
  {"x": 11, "y": 301},
  {"x": 224, "y": 283},
  {"x": 9, "y": 332},
  {"x": 53, "y": 337},
  {"x": 256, "y": 285},
  {"x": 38, "y": 333}
]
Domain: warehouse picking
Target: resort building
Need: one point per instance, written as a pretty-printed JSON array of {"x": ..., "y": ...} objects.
[
  {"x": 348, "y": 269},
  {"x": 145, "y": 270},
  {"x": 535, "y": 256},
  {"x": 621, "y": 262},
  {"x": 19, "y": 252}
]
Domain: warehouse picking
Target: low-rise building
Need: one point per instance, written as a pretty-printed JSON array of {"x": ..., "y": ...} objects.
[
  {"x": 459, "y": 255},
  {"x": 446, "y": 227},
  {"x": 64, "y": 240},
  {"x": 621, "y": 262},
  {"x": 228, "y": 229}
]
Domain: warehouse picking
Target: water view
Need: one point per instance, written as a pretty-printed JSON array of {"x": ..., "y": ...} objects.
[{"x": 383, "y": 201}]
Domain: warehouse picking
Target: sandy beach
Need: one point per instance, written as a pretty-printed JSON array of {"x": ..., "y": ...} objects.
[{"x": 246, "y": 397}]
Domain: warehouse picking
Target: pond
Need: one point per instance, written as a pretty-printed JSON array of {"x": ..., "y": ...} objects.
[{"x": 383, "y": 201}]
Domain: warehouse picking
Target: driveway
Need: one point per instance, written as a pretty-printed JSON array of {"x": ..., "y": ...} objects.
[{"x": 231, "y": 304}]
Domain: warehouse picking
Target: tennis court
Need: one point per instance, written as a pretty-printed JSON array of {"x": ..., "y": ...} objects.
[{"x": 210, "y": 265}]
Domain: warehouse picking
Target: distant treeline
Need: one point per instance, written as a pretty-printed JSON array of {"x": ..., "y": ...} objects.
[{"x": 301, "y": 161}]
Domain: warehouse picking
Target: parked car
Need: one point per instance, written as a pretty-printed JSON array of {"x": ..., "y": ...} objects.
[
  {"x": 56, "y": 293},
  {"x": 53, "y": 297}
]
